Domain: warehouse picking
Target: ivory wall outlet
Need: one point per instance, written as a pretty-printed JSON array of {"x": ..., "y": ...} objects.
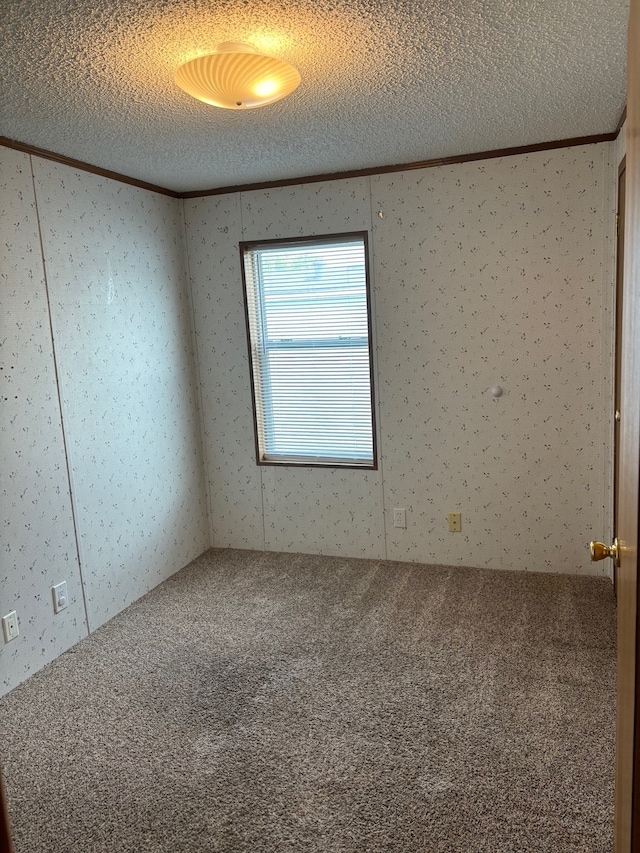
[
  {"x": 399, "y": 517},
  {"x": 60, "y": 597},
  {"x": 455, "y": 522}
]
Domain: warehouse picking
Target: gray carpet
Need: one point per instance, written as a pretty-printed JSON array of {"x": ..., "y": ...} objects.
[{"x": 270, "y": 702}]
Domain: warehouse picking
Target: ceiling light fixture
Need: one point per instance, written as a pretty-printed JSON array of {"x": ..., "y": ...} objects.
[{"x": 237, "y": 77}]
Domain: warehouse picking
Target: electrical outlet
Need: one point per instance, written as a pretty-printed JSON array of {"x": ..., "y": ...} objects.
[
  {"x": 60, "y": 597},
  {"x": 10, "y": 626},
  {"x": 455, "y": 522},
  {"x": 399, "y": 517}
]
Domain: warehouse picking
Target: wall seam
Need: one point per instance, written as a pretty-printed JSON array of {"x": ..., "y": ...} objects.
[
  {"x": 65, "y": 443},
  {"x": 377, "y": 383},
  {"x": 204, "y": 456},
  {"x": 259, "y": 467}
]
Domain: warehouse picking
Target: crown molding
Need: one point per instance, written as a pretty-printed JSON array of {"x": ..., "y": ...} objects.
[
  {"x": 309, "y": 179},
  {"x": 404, "y": 167},
  {"x": 85, "y": 167}
]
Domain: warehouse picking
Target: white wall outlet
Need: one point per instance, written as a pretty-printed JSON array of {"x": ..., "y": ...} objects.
[
  {"x": 60, "y": 597},
  {"x": 10, "y": 626},
  {"x": 454, "y": 520},
  {"x": 399, "y": 517}
]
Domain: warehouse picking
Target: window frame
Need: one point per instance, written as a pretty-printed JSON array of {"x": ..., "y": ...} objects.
[{"x": 314, "y": 240}]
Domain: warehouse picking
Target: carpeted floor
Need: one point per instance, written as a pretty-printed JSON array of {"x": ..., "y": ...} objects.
[{"x": 272, "y": 703}]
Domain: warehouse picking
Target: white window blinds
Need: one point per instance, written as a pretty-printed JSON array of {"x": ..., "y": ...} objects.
[{"x": 308, "y": 320}]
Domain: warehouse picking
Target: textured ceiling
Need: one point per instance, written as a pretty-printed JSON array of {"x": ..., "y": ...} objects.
[{"x": 382, "y": 82}]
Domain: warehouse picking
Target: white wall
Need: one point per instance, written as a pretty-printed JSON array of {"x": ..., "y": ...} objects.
[
  {"x": 113, "y": 275},
  {"x": 283, "y": 509},
  {"x": 38, "y": 546},
  {"x": 495, "y": 272}
]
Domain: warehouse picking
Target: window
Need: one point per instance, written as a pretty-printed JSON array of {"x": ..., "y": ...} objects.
[{"x": 308, "y": 319}]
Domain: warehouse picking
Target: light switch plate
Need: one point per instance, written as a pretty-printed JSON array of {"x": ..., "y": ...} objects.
[{"x": 10, "y": 626}]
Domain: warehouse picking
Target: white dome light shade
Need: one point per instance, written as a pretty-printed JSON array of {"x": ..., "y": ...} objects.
[{"x": 237, "y": 77}]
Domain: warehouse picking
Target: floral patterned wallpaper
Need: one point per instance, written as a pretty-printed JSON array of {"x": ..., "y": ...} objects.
[
  {"x": 497, "y": 272},
  {"x": 281, "y": 509},
  {"x": 38, "y": 541},
  {"x": 120, "y": 313},
  {"x": 120, "y": 318},
  {"x": 492, "y": 273},
  {"x": 233, "y": 479}
]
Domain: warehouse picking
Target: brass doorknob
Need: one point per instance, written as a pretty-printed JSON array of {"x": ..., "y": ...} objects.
[{"x": 599, "y": 551}]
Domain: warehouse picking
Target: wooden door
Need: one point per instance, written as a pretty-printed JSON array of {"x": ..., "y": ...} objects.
[
  {"x": 5, "y": 839},
  {"x": 617, "y": 388},
  {"x": 627, "y": 816}
]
